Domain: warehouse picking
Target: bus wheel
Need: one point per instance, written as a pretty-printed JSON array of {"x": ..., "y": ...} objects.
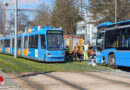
[{"x": 111, "y": 61}]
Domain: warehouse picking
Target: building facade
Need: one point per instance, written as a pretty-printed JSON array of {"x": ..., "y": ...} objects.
[
  {"x": 2, "y": 18},
  {"x": 87, "y": 30}
]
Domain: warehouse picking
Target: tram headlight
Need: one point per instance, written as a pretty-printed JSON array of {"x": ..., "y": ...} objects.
[
  {"x": 63, "y": 53},
  {"x": 48, "y": 54}
]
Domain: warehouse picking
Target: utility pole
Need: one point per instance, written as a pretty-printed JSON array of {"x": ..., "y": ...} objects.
[
  {"x": 6, "y": 18},
  {"x": 16, "y": 27},
  {"x": 82, "y": 7},
  {"x": 115, "y": 11},
  {"x": 1, "y": 14},
  {"x": 83, "y": 15}
]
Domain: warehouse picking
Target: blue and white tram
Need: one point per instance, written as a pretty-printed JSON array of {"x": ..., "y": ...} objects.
[{"x": 38, "y": 43}]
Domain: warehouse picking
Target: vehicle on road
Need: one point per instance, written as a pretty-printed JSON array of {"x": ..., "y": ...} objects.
[
  {"x": 113, "y": 44},
  {"x": 38, "y": 43}
]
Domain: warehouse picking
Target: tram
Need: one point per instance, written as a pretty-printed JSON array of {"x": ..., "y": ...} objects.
[{"x": 39, "y": 43}]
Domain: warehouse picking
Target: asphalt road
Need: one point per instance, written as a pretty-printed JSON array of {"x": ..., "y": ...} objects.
[{"x": 74, "y": 81}]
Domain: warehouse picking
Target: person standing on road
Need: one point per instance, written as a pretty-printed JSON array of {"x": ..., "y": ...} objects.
[
  {"x": 67, "y": 49},
  {"x": 76, "y": 52},
  {"x": 86, "y": 51}
]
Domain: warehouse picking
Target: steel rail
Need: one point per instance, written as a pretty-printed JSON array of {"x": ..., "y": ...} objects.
[{"x": 23, "y": 78}]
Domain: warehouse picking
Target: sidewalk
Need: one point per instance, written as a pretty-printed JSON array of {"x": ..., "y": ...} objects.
[{"x": 9, "y": 83}]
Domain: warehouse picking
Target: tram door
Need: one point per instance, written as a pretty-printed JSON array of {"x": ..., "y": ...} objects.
[{"x": 42, "y": 47}]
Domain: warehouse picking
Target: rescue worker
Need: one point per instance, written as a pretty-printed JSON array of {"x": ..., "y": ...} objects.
[
  {"x": 85, "y": 51},
  {"x": 91, "y": 53},
  {"x": 76, "y": 50},
  {"x": 67, "y": 48}
]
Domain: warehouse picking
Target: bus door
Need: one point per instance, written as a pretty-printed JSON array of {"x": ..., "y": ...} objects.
[{"x": 42, "y": 47}]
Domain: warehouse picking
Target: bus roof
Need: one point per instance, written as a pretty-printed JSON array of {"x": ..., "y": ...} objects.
[
  {"x": 104, "y": 24},
  {"x": 109, "y": 23}
]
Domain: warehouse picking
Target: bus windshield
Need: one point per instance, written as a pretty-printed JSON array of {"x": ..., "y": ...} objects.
[
  {"x": 100, "y": 38},
  {"x": 55, "y": 41}
]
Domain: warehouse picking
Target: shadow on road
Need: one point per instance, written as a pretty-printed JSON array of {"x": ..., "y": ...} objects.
[
  {"x": 56, "y": 78},
  {"x": 127, "y": 69}
]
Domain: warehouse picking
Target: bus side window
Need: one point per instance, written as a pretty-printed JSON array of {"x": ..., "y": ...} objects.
[{"x": 43, "y": 43}]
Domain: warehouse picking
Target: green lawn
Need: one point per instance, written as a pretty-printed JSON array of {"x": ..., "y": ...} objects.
[{"x": 46, "y": 67}]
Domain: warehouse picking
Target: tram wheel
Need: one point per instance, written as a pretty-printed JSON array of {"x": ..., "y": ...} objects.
[{"x": 111, "y": 61}]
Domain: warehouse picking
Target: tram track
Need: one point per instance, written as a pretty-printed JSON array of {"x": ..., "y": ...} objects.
[
  {"x": 83, "y": 73},
  {"x": 46, "y": 74},
  {"x": 29, "y": 82},
  {"x": 103, "y": 78}
]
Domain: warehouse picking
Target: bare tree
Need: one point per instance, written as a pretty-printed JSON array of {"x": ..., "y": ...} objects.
[
  {"x": 43, "y": 15},
  {"x": 104, "y": 10},
  {"x": 2, "y": 18},
  {"x": 23, "y": 21},
  {"x": 65, "y": 14}
]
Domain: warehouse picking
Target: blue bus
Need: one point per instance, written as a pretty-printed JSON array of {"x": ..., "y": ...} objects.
[
  {"x": 113, "y": 44},
  {"x": 42, "y": 43}
]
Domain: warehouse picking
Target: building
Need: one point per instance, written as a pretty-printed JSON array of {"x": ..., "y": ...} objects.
[
  {"x": 2, "y": 18},
  {"x": 87, "y": 29}
]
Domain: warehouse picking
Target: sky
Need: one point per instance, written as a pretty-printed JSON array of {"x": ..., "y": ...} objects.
[{"x": 28, "y": 4}]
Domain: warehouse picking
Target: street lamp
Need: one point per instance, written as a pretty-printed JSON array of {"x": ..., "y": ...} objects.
[{"x": 16, "y": 27}]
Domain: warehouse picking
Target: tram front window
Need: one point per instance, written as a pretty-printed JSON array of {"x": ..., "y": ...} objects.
[{"x": 55, "y": 41}]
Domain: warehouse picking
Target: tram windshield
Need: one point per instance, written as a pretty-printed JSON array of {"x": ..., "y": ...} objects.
[{"x": 55, "y": 40}]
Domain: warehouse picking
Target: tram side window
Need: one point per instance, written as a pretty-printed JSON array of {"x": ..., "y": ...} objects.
[
  {"x": 31, "y": 41},
  {"x": 0, "y": 43},
  {"x": 12, "y": 43},
  {"x": 7, "y": 43},
  {"x": 36, "y": 41},
  {"x": 19, "y": 42},
  {"x": 25, "y": 42},
  {"x": 43, "y": 42}
]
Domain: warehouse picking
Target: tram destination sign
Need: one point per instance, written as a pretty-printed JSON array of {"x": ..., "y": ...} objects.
[{"x": 54, "y": 32}]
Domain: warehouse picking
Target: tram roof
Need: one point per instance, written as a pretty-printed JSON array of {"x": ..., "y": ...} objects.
[{"x": 31, "y": 31}]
